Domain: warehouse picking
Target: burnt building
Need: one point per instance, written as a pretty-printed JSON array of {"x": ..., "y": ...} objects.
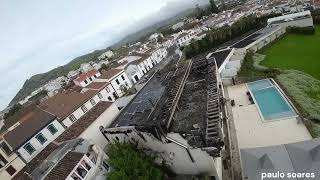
[{"x": 177, "y": 116}]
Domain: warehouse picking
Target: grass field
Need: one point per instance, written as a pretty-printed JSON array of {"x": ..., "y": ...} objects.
[{"x": 300, "y": 52}]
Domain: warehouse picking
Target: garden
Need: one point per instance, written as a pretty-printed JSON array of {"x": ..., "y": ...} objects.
[{"x": 293, "y": 60}]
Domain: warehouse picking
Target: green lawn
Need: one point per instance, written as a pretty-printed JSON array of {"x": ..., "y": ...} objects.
[{"x": 300, "y": 52}]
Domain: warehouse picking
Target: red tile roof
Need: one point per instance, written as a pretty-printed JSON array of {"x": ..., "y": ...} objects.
[
  {"x": 86, "y": 75},
  {"x": 75, "y": 130},
  {"x": 65, "y": 166},
  {"x": 65, "y": 103}
]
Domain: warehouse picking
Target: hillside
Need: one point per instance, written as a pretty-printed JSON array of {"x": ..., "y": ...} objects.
[
  {"x": 146, "y": 32},
  {"x": 38, "y": 80}
]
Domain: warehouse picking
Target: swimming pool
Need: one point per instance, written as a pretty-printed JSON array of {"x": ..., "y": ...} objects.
[{"x": 271, "y": 103}]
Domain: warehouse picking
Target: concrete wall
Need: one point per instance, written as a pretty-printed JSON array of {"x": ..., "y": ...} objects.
[
  {"x": 94, "y": 167},
  {"x": 16, "y": 163},
  {"x": 105, "y": 119},
  {"x": 78, "y": 113},
  {"x": 122, "y": 82},
  {"x": 37, "y": 145},
  {"x": 83, "y": 84},
  {"x": 175, "y": 156},
  {"x": 307, "y": 22}
]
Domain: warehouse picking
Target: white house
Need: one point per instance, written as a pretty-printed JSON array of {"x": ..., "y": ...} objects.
[
  {"x": 118, "y": 80},
  {"x": 72, "y": 74},
  {"x": 135, "y": 70},
  {"x": 184, "y": 39},
  {"x": 300, "y": 19},
  {"x": 86, "y": 67},
  {"x": 10, "y": 162},
  {"x": 86, "y": 78},
  {"x": 105, "y": 55},
  {"x": 155, "y": 36},
  {"x": 32, "y": 133},
  {"x": 168, "y": 42},
  {"x": 75, "y": 159},
  {"x": 69, "y": 106},
  {"x": 87, "y": 127}
]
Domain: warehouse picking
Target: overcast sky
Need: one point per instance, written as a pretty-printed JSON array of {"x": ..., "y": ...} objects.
[{"x": 39, "y": 35}]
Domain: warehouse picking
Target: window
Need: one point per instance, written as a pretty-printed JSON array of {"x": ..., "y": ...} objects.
[
  {"x": 109, "y": 98},
  {"x": 75, "y": 176},
  {"x": 84, "y": 108},
  {"x": 90, "y": 78},
  {"x": 105, "y": 165},
  {"x": 52, "y": 129},
  {"x": 92, "y": 102},
  {"x": 86, "y": 165},
  {"x": 6, "y": 148},
  {"x": 3, "y": 161},
  {"x": 100, "y": 96},
  {"x": 72, "y": 118},
  {"x": 85, "y": 81},
  {"x": 81, "y": 171},
  {"x": 107, "y": 89},
  {"x": 122, "y": 77},
  {"x": 95, "y": 76},
  {"x": 29, "y": 148},
  {"x": 41, "y": 138},
  {"x": 11, "y": 170},
  {"x": 117, "y": 81}
]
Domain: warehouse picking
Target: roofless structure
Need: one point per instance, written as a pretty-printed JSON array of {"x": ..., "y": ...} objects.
[{"x": 177, "y": 115}]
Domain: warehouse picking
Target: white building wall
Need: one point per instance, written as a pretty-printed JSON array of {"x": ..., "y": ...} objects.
[
  {"x": 37, "y": 145},
  {"x": 176, "y": 156},
  {"x": 12, "y": 160},
  {"x": 95, "y": 168},
  {"x": 107, "y": 92},
  {"x": 78, "y": 113},
  {"x": 105, "y": 119},
  {"x": 117, "y": 86},
  {"x": 83, "y": 84},
  {"x": 16, "y": 163}
]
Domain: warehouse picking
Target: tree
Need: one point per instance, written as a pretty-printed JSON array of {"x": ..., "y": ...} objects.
[
  {"x": 13, "y": 110},
  {"x": 104, "y": 67},
  {"x": 129, "y": 163},
  {"x": 199, "y": 12},
  {"x": 214, "y": 8}
]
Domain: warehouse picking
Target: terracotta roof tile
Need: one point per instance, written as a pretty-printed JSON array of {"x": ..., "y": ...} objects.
[
  {"x": 97, "y": 85},
  {"x": 86, "y": 75},
  {"x": 30, "y": 124},
  {"x": 35, "y": 162},
  {"x": 65, "y": 166},
  {"x": 84, "y": 122},
  {"x": 65, "y": 103},
  {"x": 110, "y": 74}
]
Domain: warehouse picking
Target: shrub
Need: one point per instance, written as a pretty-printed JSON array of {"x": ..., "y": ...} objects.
[
  {"x": 304, "y": 90},
  {"x": 129, "y": 163},
  {"x": 301, "y": 30}
]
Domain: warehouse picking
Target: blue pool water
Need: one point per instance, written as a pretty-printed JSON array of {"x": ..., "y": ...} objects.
[{"x": 271, "y": 104}]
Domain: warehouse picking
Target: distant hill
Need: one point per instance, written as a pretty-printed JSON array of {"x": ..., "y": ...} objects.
[
  {"x": 38, "y": 80},
  {"x": 146, "y": 32}
]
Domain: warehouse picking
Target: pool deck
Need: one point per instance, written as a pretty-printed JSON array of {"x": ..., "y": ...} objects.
[{"x": 253, "y": 132}]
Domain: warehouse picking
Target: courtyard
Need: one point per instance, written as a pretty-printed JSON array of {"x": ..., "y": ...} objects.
[{"x": 253, "y": 132}]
